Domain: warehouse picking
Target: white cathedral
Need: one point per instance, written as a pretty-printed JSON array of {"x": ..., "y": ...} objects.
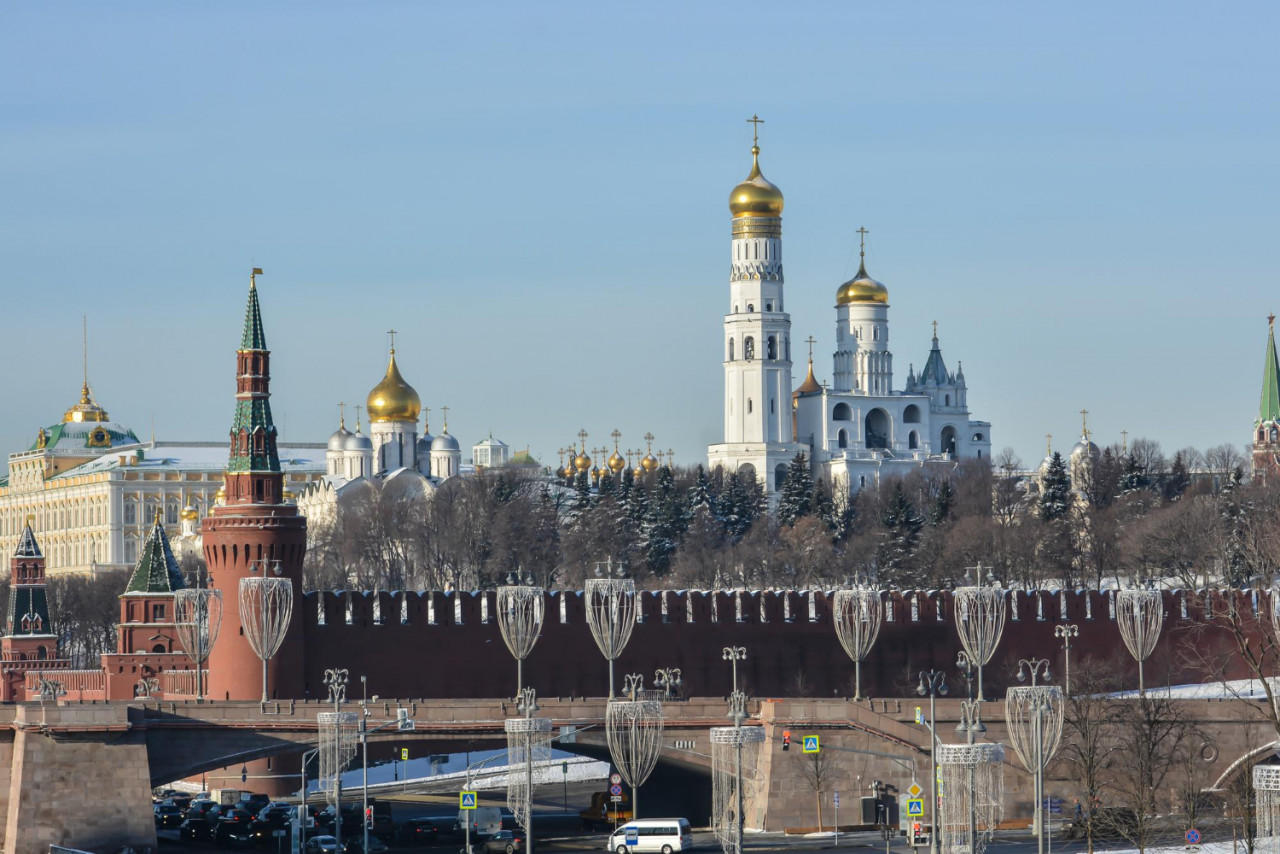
[{"x": 862, "y": 428}]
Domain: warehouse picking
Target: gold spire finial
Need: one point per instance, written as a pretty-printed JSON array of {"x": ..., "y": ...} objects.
[
  {"x": 1084, "y": 423},
  {"x": 616, "y": 434},
  {"x": 811, "y": 341},
  {"x": 426, "y": 419},
  {"x": 755, "y": 121},
  {"x": 254, "y": 272},
  {"x": 1048, "y": 444},
  {"x": 31, "y": 520},
  {"x": 862, "y": 242},
  {"x": 158, "y": 515},
  {"x": 391, "y": 333},
  {"x": 582, "y": 440},
  {"x": 358, "y": 408},
  {"x": 1271, "y": 319},
  {"x": 648, "y": 438}
]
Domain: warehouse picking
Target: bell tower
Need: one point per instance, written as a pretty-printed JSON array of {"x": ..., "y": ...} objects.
[
  {"x": 1266, "y": 427},
  {"x": 255, "y": 532}
]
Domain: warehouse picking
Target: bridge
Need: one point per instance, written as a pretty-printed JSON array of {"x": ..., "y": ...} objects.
[{"x": 80, "y": 772}]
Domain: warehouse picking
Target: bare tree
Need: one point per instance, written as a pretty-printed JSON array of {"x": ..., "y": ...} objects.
[
  {"x": 819, "y": 771},
  {"x": 1153, "y": 737},
  {"x": 1089, "y": 744}
]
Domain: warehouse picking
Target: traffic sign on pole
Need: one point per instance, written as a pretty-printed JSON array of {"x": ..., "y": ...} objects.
[
  {"x": 810, "y": 744},
  {"x": 615, "y": 789},
  {"x": 1193, "y": 837},
  {"x": 404, "y": 754},
  {"x": 915, "y": 806},
  {"x": 467, "y": 800},
  {"x": 615, "y": 779},
  {"x": 914, "y": 789}
]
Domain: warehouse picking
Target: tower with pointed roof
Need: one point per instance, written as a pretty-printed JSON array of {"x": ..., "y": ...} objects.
[
  {"x": 146, "y": 605},
  {"x": 1266, "y": 427},
  {"x": 256, "y": 530},
  {"x": 29, "y": 642},
  {"x": 758, "y": 435}
]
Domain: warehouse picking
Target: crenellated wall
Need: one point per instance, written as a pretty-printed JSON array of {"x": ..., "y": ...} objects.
[{"x": 434, "y": 644}]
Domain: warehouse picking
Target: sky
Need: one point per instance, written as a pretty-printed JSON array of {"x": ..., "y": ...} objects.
[{"x": 535, "y": 196}]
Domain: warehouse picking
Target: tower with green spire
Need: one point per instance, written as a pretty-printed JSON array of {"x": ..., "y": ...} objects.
[
  {"x": 29, "y": 642},
  {"x": 253, "y": 469},
  {"x": 1266, "y": 429}
]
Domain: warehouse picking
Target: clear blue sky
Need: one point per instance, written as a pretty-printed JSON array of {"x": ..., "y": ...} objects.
[{"x": 1083, "y": 195}]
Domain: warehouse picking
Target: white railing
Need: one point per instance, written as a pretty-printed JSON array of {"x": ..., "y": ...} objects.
[
  {"x": 72, "y": 680},
  {"x": 181, "y": 683}
]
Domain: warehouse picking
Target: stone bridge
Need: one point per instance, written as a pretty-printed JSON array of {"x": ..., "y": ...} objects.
[{"x": 80, "y": 773}]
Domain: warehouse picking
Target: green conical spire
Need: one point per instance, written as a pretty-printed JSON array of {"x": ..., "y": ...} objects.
[
  {"x": 157, "y": 569},
  {"x": 1269, "y": 407},
  {"x": 253, "y": 337}
]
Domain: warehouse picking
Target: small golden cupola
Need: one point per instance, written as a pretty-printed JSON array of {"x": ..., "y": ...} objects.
[
  {"x": 393, "y": 399},
  {"x": 87, "y": 409},
  {"x": 757, "y": 195},
  {"x": 862, "y": 288}
]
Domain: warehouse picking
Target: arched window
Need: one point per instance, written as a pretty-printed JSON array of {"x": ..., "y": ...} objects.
[
  {"x": 730, "y": 349},
  {"x": 911, "y": 415},
  {"x": 842, "y": 412},
  {"x": 948, "y": 399},
  {"x": 768, "y": 306},
  {"x": 748, "y": 406},
  {"x": 842, "y": 438},
  {"x": 748, "y": 348},
  {"x": 750, "y": 307},
  {"x": 42, "y": 653},
  {"x": 158, "y": 648},
  {"x": 948, "y": 440},
  {"x": 772, "y": 347},
  {"x": 913, "y": 441},
  {"x": 877, "y": 429},
  {"x": 875, "y": 333},
  {"x": 977, "y": 437},
  {"x": 779, "y": 475}
]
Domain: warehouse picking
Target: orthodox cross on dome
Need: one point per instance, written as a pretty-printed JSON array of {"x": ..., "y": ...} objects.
[
  {"x": 811, "y": 341},
  {"x": 862, "y": 241},
  {"x": 616, "y": 434},
  {"x": 1084, "y": 424},
  {"x": 426, "y": 419},
  {"x": 582, "y": 439},
  {"x": 358, "y": 408},
  {"x": 755, "y": 122},
  {"x": 342, "y": 414},
  {"x": 444, "y": 410},
  {"x": 648, "y": 438},
  {"x": 391, "y": 335},
  {"x": 1048, "y": 444},
  {"x": 1124, "y": 441}
]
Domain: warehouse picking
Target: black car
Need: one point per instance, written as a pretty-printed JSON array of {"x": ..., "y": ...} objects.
[
  {"x": 418, "y": 831},
  {"x": 167, "y": 815},
  {"x": 277, "y": 813},
  {"x": 502, "y": 842},
  {"x": 235, "y": 827},
  {"x": 194, "y": 827},
  {"x": 264, "y": 833},
  {"x": 199, "y": 808}
]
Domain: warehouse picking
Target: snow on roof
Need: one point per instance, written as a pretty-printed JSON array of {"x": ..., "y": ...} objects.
[{"x": 195, "y": 456}]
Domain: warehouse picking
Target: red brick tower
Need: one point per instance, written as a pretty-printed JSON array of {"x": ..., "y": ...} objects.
[
  {"x": 254, "y": 532},
  {"x": 1266, "y": 427},
  {"x": 28, "y": 642}
]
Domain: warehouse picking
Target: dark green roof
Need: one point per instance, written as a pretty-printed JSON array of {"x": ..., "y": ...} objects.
[
  {"x": 157, "y": 570},
  {"x": 27, "y": 545},
  {"x": 934, "y": 368},
  {"x": 253, "y": 337},
  {"x": 1269, "y": 407}
]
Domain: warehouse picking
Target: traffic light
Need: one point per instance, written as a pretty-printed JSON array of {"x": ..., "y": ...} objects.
[
  {"x": 786, "y": 739},
  {"x": 368, "y": 817}
]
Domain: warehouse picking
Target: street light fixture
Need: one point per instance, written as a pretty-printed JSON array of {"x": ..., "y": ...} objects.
[
  {"x": 933, "y": 684},
  {"x": 1033, "y": 715},
  {"x": 1066, "y": 632}
]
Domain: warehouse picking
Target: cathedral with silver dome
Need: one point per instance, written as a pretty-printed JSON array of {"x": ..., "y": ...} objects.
[{"x": 858, "y": 428}]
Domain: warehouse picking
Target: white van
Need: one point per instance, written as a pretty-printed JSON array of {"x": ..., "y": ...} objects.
[
  {"x": 659, "y": 835},
  {"x": 485, "y": 821}
]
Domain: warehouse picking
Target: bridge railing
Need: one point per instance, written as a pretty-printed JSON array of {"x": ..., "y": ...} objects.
[
  {"x": 180, "y": 683},
  {"x": 78, "y": 684}
]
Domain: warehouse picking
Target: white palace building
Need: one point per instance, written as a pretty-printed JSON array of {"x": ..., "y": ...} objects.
[{"x": 859, "y": 429}]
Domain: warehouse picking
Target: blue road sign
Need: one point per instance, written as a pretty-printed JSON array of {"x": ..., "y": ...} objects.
[
  {"x": 836, "y": 797},
  {"x": 467, "y": 800},
  {"x": 615, "y": 790},
  {"x": 810, "y": 744},
  {"x": 1193, "y": 837},
  {"x": 915, "y": 806},
  {"x": 633, "y": 836}
]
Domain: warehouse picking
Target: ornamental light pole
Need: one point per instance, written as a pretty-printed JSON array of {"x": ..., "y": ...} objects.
[
  {"x": 734, "y": 654},
  {"x": 933, "y": 684},
  {"x": 1033, "y": 715},
  {"x": 1066, "y": 632},
  {"x": 335, "y": 742},
  {"x": 728, "y": 777}
]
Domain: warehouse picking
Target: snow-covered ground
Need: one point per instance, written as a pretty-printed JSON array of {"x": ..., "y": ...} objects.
[{"x": 1248, "y": 689}]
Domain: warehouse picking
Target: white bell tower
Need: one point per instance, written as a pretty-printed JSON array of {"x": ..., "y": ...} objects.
[{"x": 757, "y": 336}]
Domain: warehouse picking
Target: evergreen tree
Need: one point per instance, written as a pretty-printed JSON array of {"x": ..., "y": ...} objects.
[
  {"x": 902, "y": 525},
  {"x": 699, "y": 494},
  {"x": 582, "y": 488},
  {"x": 666, "y": 523},
  {"x": 1134, "y": 476},
  {"x": 797, "y": 492},
  {"x": 942, "y": 504},
  {"x": 821, "y": 503},
  {"x": 607, "y": 485},
  {"x": 743, "y": 502},
  {"x": 1055, "y": 490},
  {"x": 1179, "y": 479}
]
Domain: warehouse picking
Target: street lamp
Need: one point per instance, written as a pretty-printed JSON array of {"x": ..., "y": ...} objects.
[
  {"x": 525, "y": 736},
  {"x": 933, "y": 684},
  {"x": 404, "y": 724},
  {"x": 335, "y": 741},
  {"x": 1066, "y": 632},
  {"x": 668, "y": 680},
  {"x": 729, "y": 832},
  {"x": 734, "y": 654},
  {"x": 967, "y": 670},
  {"x": 1033, "y": 715}
]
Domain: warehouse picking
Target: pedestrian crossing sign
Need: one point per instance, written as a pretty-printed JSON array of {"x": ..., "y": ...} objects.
[
  {"x": 467, "y": 800},
  {"x": 915, "y": 806},
  {"x": 404, "y": 754},
  {"x": 810, "y": 744}
]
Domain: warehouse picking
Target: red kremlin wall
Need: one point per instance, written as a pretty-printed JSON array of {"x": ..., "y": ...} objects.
[{"x": 448, "y": 645}]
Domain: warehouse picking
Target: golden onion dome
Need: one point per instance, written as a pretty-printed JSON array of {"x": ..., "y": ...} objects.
[
  {"x": 862, "y": 289},
  {"x": 616, "y": 463},
  {"x": 582, "y": 462},
  {"x": 288, "y": 496},
  {"x": 393, "y": 399},
  {"x": 649, "y": 463},
  {"x": 810, "y": 384},
  {"x": 756, "y": 196},
  {"x": 87, "y": 409},
  {"x": 190, "y": 514}
]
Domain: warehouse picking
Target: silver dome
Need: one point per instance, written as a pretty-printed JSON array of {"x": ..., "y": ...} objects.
[
  {"x": 445, "y": 442},
  {"x": 357, "y": 442},
  {"x": 1085, "y": 447},
  {"x": 339, "y": 438}
]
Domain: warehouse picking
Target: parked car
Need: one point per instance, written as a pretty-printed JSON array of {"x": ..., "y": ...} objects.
[
  {"x": 277, "y": 813},
  {"x": 167, "y": 815},
  {"x": 502, "y": 842},
  {"x": 199, "y": 808},
  {"x": 418, "y": 831},
  {"x": 181, "y": 801},
  {"x": 194, "y": 827},
  {"x": 264, "y": 832},
  {"x": 355, "y": 845},
  {"x": 318, "y": 844},
  {"x": 235, "y": 827}
]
